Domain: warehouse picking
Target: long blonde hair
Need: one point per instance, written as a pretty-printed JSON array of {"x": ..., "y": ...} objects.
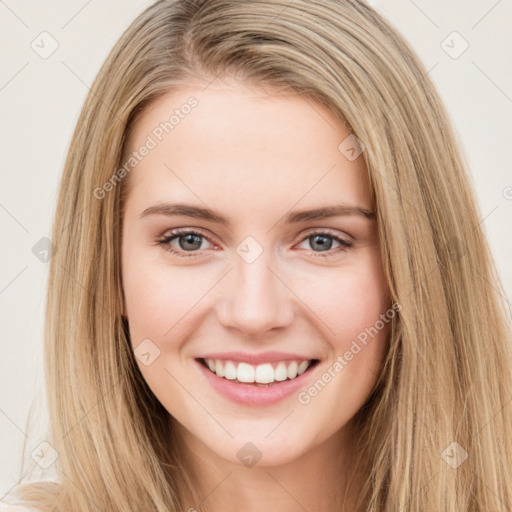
[{"x": 436, "y": 432}]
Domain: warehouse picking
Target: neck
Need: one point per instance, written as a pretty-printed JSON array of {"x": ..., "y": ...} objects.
[{"x": 315, "y": 480}]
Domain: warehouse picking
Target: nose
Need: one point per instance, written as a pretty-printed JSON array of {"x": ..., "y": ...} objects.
[{"x": 255, "y": 300}]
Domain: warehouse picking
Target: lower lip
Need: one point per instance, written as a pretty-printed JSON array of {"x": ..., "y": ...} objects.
[{"x": 249, "y": 394}]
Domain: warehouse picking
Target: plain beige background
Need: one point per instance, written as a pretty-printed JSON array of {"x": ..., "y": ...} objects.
[{"x": 41, "y": 96}]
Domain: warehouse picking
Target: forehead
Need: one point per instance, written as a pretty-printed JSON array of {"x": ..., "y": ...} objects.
[{"x": 230, "y": 141}]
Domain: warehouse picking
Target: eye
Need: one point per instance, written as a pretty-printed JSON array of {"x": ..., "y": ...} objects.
[
  {"x": 323, "y": 241},
  {"x": 188, "y": 242}
]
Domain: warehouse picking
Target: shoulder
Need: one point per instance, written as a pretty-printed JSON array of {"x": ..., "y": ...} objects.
[{"x": 7, "y": 507}]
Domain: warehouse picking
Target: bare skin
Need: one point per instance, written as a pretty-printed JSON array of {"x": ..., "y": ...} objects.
[{"x": 253, "y": 158}]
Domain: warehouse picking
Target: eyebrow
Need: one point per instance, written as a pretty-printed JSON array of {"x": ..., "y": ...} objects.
[{"x": 198, "y": 212}]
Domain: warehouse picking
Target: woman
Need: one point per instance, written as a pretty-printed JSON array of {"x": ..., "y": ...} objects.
[{"x": 268, "y": 286}]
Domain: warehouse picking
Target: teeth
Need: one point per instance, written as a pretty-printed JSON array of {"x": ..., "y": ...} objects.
[
  {"x": 229, "y": 370},
  {"x": 219, "y": 368},
  {"x": 292, "y": 370},
  {"x": 244, "y": 372},
  {"x": 302, "y": 367},
  {"x": 264, "y": 373},
  {"x": 280, "y": 373},
  {"x": 261, "y": 374}
]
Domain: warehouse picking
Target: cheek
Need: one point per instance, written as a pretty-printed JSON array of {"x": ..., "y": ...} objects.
[
  {"x": 351, "y": 308},
  {"x": 158, "y": 298},
  {"x": 159, "y": 303},
  {"x": 349, "y": 302}
]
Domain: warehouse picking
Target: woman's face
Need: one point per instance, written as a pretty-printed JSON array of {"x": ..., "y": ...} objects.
[{"x": 230, "y": 260}]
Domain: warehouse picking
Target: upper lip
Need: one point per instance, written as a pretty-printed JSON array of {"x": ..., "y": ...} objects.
[{"x": 263, "y": 357}]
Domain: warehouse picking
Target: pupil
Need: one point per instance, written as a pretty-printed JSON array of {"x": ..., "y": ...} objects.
[
  {"x": 195, "y": 240},
  {"x": 324, "y": 243}
]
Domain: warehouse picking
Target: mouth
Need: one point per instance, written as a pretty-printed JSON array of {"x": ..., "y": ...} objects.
[{"x": 269, "y": 374}]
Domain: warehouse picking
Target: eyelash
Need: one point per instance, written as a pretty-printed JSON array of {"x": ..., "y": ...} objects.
[{"x": 164, "y": 242}]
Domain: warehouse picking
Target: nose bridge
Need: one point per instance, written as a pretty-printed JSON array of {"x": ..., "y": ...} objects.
[{"x": 255, "y": 300}]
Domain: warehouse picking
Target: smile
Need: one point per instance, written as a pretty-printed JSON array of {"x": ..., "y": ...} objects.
[
  {"x": 262, "y": 374},
  {"x": 260, "y": 384}
]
